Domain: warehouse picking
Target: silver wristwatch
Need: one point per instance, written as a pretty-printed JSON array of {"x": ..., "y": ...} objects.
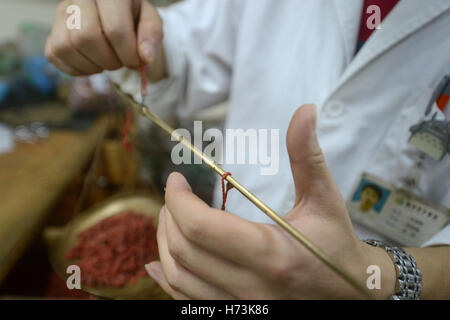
[{"x": 409, "y": 278}]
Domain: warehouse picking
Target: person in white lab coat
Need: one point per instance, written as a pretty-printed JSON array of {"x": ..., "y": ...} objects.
[{"x": 268, "y": 58}]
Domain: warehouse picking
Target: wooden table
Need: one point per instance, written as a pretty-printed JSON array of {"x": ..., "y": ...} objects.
[{"x": 32, "y": 178}]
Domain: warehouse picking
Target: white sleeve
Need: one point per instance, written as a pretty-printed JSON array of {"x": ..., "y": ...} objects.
[
  {"x": 199, "y": 43},
  {"x": 441, "y": 238}
]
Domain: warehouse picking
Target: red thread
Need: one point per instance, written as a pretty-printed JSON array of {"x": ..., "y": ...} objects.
[
  {"x": 127, "y": 146},
  {"x": 225, "y": 190}
]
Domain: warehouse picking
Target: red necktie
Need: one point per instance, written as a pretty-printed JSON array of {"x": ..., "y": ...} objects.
[{"x": 364, "y": 31}]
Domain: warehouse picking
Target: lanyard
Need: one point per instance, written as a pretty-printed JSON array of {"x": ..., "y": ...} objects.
[{"x": 441, "y": 95}]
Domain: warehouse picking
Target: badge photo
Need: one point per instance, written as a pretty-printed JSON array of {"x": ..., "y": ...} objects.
[{"x": 397, "y": 214}]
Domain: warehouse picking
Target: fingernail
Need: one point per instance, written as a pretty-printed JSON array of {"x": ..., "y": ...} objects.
[
  {"x": 151, "y": 273},
  {"x": 148, "y": 51}
]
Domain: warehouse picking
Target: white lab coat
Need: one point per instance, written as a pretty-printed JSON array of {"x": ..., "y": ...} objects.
[{"x": 269, "y": 57}]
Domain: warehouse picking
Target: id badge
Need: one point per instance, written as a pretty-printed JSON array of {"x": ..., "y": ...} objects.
[{"x": 395, "y": 213}]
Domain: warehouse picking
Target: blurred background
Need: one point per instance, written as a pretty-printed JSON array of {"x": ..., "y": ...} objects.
[{"x": 61, "y": 152}]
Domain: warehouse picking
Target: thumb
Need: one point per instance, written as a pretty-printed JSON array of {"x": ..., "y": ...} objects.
[
  {"x": 178, "y": 193},
  {"x": 311, "y": 176},
  {"x": 149, "y": 32},
  {"x": 177, "y": 182}
]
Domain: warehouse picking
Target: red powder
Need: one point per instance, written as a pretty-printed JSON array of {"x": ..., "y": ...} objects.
[{"x": 114, "y": 251}]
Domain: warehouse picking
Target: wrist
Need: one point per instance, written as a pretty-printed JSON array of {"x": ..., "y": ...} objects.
[
  {"x": 408, "y": 283},
  {"x": 380, "y": 258}
]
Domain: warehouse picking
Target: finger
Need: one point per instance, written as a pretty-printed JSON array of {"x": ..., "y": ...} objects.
[
  {"x": 154, "y": 269},
  {"x": 149, "y": 32},
  {"x": 62, "y": 46},
  {"x": 58, "y": 63},
  {"x": 214, "y": 230},
  {"x": 178, "y": 277},
  {"x": 90, "y": 40},
  {"x": 117, "y": 21},
  {"x": 224, "y": 274}
]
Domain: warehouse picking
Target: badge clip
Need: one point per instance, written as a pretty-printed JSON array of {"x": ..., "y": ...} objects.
[{"x": 433, "y": 136}]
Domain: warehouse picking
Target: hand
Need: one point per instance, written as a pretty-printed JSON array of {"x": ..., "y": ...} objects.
[
  {"x": 210, "y": 254},
  {"x": 113, "y": 34}
]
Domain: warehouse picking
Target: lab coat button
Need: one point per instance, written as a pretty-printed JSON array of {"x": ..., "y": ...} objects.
[{"x": 334, "y": 109}]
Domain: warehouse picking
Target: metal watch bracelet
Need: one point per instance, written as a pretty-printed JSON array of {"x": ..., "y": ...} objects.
[{"x": 409, "y": 278}]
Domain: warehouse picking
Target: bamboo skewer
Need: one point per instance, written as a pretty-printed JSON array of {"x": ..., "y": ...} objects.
[{"x": 297, "y": 235}]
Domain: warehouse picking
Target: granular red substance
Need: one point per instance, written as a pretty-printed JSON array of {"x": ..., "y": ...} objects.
[{"x": 114, "y": 251}]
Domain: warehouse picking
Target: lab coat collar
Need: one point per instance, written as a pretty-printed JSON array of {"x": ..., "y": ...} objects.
[
  {"x": 406, "y": 17},
  {"x": 349, "y": 17}
]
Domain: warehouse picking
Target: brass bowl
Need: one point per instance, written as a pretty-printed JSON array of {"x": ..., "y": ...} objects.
[{"x": 61, "y": 240}]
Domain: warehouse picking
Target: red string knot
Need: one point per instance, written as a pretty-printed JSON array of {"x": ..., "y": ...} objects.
[{"x": 225, "y": 190}]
